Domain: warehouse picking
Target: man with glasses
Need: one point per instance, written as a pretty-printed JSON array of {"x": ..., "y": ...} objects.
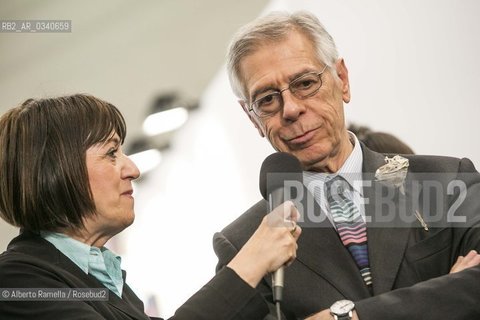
[{"x": 292, "y": 85}]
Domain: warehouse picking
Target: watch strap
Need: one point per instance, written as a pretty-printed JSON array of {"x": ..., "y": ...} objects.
[{"x": 347, "y": 316}]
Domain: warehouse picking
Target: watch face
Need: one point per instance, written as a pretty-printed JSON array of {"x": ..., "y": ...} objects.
[{"x": 342, "y": 307}]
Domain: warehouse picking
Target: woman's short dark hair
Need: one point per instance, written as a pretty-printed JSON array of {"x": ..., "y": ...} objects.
[{"x": 43, "y": 174}]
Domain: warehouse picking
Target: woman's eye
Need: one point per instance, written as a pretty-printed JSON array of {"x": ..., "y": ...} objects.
[{"x": 112, "y": 153}]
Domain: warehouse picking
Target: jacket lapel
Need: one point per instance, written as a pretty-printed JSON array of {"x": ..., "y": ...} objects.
[
  {"x": 130, "y": 303},
  {"x": 387, "y": 241}
]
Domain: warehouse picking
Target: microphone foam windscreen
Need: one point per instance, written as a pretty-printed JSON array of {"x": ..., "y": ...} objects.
[{"x": 276, "y": 169}]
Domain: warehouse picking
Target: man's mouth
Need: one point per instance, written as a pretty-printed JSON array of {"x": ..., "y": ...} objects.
[{"x": 302, "y": 138}]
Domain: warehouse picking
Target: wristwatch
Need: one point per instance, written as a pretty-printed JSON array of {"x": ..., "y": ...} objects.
[{"x": 342, "y": 310}]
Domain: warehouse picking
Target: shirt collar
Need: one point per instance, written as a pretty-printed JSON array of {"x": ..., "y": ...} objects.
[
  {"x": 100, "y": 263},
  {"x": 80, "y": 252},
  {"x": 76, "y": 251}
]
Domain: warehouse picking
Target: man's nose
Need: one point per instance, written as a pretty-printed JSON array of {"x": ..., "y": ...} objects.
[{"x": 292, "y": 106}]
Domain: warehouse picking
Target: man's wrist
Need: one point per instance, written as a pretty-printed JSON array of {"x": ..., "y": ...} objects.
[{"x": 342, "y": 310}]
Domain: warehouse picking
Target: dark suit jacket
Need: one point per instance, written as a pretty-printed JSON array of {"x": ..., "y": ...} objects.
[
  {"x": 32, "y": 262},
  {"x": 409, "y": 265}
]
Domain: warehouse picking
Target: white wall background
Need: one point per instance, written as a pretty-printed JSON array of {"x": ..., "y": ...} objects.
[{"x": 414, "y": 72}]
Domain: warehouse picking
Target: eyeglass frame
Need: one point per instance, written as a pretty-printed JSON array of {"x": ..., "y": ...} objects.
[{"x": 280, "y": 91}]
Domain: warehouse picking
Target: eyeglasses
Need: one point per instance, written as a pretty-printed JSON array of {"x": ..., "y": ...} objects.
[{"x": 303, "y": 87}]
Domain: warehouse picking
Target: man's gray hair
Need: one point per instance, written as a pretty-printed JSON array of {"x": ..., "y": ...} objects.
[{"x": 271, "y": 28}]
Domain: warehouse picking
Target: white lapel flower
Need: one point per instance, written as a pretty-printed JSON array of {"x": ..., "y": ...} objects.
[{"x": 393, "y": 172}]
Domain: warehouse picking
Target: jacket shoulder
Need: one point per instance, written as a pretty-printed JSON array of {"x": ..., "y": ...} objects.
[{"x": 428, "y": 163}]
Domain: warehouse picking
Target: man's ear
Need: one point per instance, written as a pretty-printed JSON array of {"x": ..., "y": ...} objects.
[
  {"x": 252, "y": 118},
  {"x": 342, "y": 73}
]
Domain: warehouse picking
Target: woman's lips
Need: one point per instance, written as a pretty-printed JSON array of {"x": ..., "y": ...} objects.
[{"x": 128, "y": 193}]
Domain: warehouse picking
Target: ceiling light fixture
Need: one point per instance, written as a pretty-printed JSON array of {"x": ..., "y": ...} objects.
[{"x": 165, "y": 121}]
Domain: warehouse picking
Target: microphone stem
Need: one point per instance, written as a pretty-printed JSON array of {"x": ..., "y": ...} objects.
[{"x": 279, "y": 312}]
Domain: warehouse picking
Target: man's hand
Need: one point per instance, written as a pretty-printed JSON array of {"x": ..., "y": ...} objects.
[
  {"x": 325, "y": 315},
  {"x": 472, "y": 259}
]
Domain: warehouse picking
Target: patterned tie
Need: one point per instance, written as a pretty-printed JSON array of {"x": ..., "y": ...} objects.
[{"x": 349, "y": 223}]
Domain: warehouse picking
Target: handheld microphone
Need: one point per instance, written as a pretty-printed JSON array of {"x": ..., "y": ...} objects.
[{"x": 277, "y": 169}]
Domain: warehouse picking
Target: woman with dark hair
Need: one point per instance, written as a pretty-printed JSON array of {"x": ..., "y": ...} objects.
[{"x": 65, "y": 181}]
